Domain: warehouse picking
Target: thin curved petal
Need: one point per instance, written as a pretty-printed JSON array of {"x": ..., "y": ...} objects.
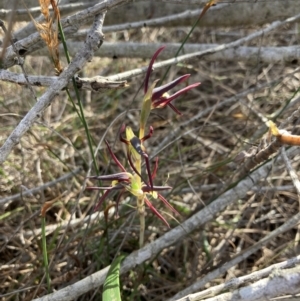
[
  {"x": 148, "y": 189},
  {"x": 99, "y": 188},
  {"x": 122, "y": 176},
  {"x": 114, "y": 157},
  {"x": 163, "y": 101},
  {"x": 160, "y": 91},
  {"x": 101, "y": 200},
  {"x": 153, "y": 175},
  {"x": 152, "y": 208},
  {"x": 174, "y": 109},
  {"x": 167, "y": 203},
  {"x": 149, "y": 70}
]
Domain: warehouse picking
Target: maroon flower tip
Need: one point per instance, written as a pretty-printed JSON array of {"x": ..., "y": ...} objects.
[
  {"x": 114, "y": 157},
  {"x": 101, "y": 200},
  {"x": 154, "y": 210},
  {"x": 161, "y": 101},
  {"x": 155, "y": 188},
  {"x": 158, "y": 51},
  {"x": 160, "y": 91}
]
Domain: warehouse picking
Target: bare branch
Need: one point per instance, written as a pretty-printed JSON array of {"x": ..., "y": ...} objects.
[
  {"x": 230, "y": 13},
  {"x": 22, "y": 14},
  {"x": 277, "y": 284},
  {"x": 94, "y": 84},
  {"x": 93, "y": 41},
  {"x": 237, "y": 282},
  {"x": 225, "y": 13},
  {"x": 40, "y": 188},
  {"x": 70, "y": 25},
  {"x": 287, "y": 55},
  {"x": 200, "y": 54}
]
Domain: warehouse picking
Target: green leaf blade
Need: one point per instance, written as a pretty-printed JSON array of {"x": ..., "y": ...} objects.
[{"x": 111, "y": 288}]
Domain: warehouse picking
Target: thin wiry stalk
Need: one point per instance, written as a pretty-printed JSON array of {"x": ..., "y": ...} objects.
[
  {"x": 81, "y": 113},
  {"x": 203, "y": 12}
]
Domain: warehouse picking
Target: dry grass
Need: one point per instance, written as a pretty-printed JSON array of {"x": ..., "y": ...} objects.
[{"x": 199, "y": 165}]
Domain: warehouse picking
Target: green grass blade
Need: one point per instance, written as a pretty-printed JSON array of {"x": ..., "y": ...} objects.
[
  {"x": 80, "y": 113},
  {"x": 205, "y": 9},
  {"x": 111, "y": 288}
]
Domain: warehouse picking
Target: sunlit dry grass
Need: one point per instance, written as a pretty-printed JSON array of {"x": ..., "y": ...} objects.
[{"x": 198, "y": 164}]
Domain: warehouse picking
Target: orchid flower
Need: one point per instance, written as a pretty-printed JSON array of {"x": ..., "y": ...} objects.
[
  {"x": 129, "y": 181},
  {"x": 133, "y": 181}
]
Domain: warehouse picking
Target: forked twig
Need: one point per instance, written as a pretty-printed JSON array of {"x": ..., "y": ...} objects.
[{"x": 93, "y": 42}]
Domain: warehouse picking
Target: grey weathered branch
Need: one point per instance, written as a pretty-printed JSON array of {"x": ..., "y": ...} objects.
[
  {"x": 279, "y": 283},
  {"x": 34, "y": 190},
  {"x": 236, "y": 13},
  {"x": 238, "y": 282},
  {"x": 93, "y": 41},
  {"x": 201, "y": 54},
  {"x": 289, "y": 54},
  {"x": 22, "y": 14},
  {"x": 249, "y": 54},
  {"x": 95, "y": 84},
  {"x": 223, "y": 14},
  {"x": 70, "y": 25},
  {"x": 98, "y": 83}
]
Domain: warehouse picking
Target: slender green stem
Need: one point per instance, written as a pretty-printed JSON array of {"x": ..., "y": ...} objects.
[
  {"x": 140, "y": 203},
  {"x": 182, "y": 44},
  {"x": 141, "y": 209},
  {"x": 205, "y": 9},
  {"x": 81, "y": 111},
  {"x": 63, "y": 40}
]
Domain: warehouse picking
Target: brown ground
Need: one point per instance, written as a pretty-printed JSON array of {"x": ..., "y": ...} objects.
[{"x": 199, "y": 161}]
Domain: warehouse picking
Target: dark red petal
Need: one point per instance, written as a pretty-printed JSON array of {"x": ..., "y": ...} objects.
[
  {"x": 98, "y": 188},
  {"x": 148, "y": 203},
  {"x": 118, "y": 186},
  {"x": 149, "y": 70},
  {"x": 149, "y": 135},
  {"x": 123, "y": 127},
  {"x": 148, "y": 170},
  {"x": 102, "y": 198},
  {"x": 155, "y": 188},
  {"x": 160, "y": 91},
  {"x": 122, "y": 176},
  {"x": 167, "y": 203},
  {"x": 114, "y": 157},
  {"x": 155, "y": 168},
  {"x": 166, "y": 100},
  {"x": 174, "y": 109}
]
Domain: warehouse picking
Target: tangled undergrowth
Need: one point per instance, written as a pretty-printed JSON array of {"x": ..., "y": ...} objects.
[{"x": 200, "y": 162}]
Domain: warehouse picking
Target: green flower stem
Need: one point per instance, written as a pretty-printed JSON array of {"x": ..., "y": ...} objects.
[
  {"x": 140, "y": 203},
  {"x": 141, "y": 209}
]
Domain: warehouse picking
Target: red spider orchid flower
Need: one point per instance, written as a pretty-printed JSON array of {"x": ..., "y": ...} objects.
[
  {"x": 130, "y": 182},
  {"x": 160, "y": 97}
]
